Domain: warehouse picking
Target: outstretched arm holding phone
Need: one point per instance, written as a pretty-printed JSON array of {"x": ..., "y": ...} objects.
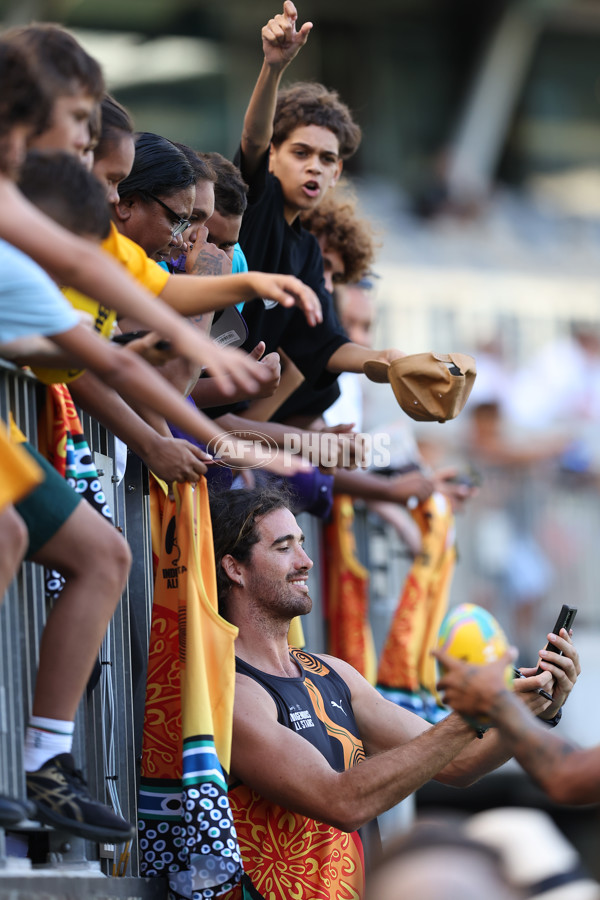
[{"x": 567, "y": 773}]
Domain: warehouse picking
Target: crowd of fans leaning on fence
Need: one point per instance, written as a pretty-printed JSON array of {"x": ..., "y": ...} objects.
[{"x": 185, "y": 301}]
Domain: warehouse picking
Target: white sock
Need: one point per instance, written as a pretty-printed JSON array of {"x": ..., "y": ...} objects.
[{"x": 45, "y": 738}]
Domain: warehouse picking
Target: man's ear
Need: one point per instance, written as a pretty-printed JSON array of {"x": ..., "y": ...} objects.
[
  {"x": 124, "y": 208},
  {"x": 232, "y": 569}
]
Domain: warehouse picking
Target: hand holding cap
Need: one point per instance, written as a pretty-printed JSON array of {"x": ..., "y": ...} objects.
[{"x": 430, "y": 387}]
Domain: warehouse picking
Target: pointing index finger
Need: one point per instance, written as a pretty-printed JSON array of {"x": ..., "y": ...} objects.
[{"x": 290, "y": 10}]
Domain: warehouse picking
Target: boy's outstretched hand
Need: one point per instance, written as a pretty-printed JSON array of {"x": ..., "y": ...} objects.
[{"x": 280, "y": 39}]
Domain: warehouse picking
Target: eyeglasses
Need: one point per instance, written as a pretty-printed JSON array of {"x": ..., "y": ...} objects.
[{"x": 181, "y": 225}]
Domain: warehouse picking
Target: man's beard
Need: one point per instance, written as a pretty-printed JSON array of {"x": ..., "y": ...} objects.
[{"x": 282, "y": 600}]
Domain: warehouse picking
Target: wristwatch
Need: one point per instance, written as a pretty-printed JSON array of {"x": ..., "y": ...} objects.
[{"x": 552, "y": 723}]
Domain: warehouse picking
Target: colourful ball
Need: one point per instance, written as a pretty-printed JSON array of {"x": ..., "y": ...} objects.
[{"x": 472, "y": 634}]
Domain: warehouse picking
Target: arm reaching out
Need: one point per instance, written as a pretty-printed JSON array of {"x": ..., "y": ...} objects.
[
  {"x": 565, "y": 772},
  {"x": 352, "y": 357},
  {"x": 168, "y": 457},
  {"x": 138, "y": 382},
  {"x": 76, "y": 262},
  {"x": 192, "y": 295}
]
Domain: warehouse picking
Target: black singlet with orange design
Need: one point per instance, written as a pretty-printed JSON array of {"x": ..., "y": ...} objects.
[{"x": 316, "y": 705}]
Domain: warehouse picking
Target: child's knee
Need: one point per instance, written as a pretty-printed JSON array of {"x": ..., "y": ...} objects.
[
  {"x": 14, "y": 537},
  {"x": 21, "y": 536},
  {"x": 107, "y": 557},
  {"x": 118, "y": 553}
]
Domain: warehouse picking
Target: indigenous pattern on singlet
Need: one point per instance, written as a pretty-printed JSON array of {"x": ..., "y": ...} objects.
[{"x": 286, "y": 854}]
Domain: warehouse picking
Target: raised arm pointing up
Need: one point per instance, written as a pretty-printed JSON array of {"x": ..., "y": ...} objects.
[{"x": 281, "y": 42}]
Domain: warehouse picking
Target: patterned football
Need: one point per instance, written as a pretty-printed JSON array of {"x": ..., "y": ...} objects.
[{"x": 472, "y": 634}]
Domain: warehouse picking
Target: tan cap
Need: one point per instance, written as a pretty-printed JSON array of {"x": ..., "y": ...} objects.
[{"x": 430, "y": 387}]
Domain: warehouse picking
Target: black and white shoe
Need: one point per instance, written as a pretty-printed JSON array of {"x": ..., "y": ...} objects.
[{"x": 62, "y": 799}]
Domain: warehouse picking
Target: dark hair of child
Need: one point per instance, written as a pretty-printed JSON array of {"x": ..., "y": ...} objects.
[
  {"x": 159, "y": 168},
  {"x": 231, "y": 191},
  {"x": 115, "y": 123},
  {"x": 310, "y": 103},
  {"x": 23, "y": 100},
  {"x": 60, "y": 61},
  {"x": 60, "y": 185}
]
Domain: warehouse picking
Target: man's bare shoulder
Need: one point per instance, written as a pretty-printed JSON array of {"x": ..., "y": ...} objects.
[
  {"x": 360, "y": 689},
  {"x": 251, "y": 695},
  {"x": 345, "y": 670}
]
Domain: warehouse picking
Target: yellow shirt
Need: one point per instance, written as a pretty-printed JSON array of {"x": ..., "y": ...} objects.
[
  {"x": 104, "y": 323},
  {"x": 143, "y": 269},
  {"x": 135, "y": 260}
]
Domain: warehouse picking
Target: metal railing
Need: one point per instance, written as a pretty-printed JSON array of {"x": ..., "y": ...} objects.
[
  {"x": 109, "y": 722},
  {"x": 108, "y": 727}
]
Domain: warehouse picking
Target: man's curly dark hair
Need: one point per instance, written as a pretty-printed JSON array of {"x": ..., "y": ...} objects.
[{"x": 234, "y": 516}]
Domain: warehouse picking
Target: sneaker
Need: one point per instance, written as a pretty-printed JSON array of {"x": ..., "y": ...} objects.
[{"x": 62, "y": 799}]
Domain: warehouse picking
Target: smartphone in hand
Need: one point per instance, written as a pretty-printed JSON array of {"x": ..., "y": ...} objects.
[
  {"x": 128, "y": 336},
  {"x": 565, "y": 619}
]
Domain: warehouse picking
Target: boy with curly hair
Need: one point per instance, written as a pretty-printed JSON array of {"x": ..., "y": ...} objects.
[{"x": 291, "y": 153}]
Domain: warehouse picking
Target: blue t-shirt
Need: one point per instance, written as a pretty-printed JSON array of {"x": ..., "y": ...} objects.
[
  {"x": 30, "y": 302},
  {"x": 239, "y": 264}
]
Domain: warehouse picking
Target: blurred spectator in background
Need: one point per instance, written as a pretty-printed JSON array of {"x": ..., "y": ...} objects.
[
  {"x": 561, "y": 384},
  {"x": 499, "y": 853},
  {"x": 494, "y": 375},
  {"x": 515, "y": 571},
  {"x": 536, "y": 856},
  {"x": 438, "y": 861}
]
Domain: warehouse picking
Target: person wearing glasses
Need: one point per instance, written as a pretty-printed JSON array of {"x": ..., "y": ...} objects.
[
  {"x": 155, "y": 206},
  {"x": 179, "y": 224},
  {"x": 157, "y": 197}
]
